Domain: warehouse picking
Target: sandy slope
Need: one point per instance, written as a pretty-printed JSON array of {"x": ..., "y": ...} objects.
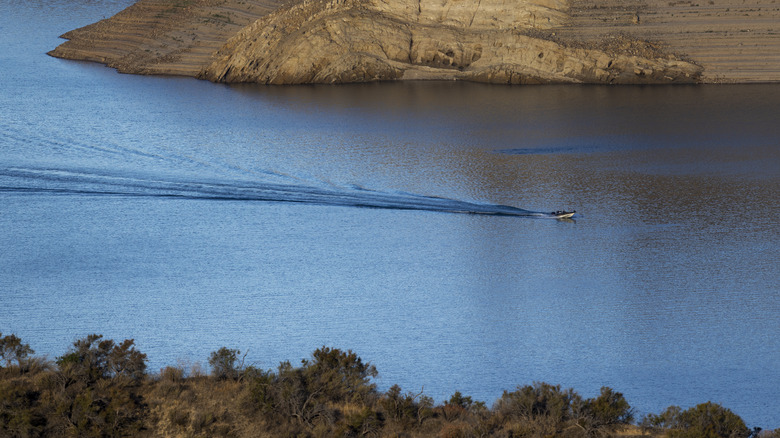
[
  {"x": 176, "y": 37},
  {"x": 734, "y": 40}
]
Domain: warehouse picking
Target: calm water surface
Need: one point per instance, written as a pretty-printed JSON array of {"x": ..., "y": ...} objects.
[{"x": 190, "y": 216}]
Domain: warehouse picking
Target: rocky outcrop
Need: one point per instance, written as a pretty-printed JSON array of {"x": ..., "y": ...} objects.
[{"x": 497, "y": 41}]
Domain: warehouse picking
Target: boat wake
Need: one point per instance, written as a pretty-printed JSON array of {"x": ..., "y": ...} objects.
[{"x": 61, "y": 181}]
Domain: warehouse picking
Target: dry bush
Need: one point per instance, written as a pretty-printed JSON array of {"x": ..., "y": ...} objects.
[
  {"x": 194, "y": 406},
  {"x": 456, "y": 430},
  {"x": 99, "y": 389}
]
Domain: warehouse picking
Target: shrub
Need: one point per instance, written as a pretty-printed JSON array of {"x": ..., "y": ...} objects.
[
  {"x": 455, "y": 430},
  {"x": 172, "y": 374},
  {"x": 668, "y": 419},
  {"x": 459, "y": 406},
  {"x": 98, "y": 390},
  {"x": 310, "y": 393},
  {"x": 706, "y": 420},
  {"x": 94, "y": 391},
  {"x": 20, "y": 413},
  {"x": 366, "y": 422},
  {"x": 291, "y": 395},
  {"x": 610, "y": 408},
  {"x": 604, "y": 413},
  {"x": 538, "y": 400},
  {"x": 93, "y": 358},
  {"x": 408, "y": 408},
  {"x": 710, "y": 420},
  {"x": 13, "y": 351},
  {"x": 538, "y": 409},
  {"x": 340, "y": 376},
  {"x": 224, "y": 363}
]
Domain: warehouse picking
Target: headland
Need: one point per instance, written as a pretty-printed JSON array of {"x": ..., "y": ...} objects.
[{"x": 493, "y": 41}]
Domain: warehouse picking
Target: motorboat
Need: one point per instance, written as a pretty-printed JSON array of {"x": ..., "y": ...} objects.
[{"x": 560, "y": 214}]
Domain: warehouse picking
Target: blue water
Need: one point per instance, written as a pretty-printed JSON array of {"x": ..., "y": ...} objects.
[{"x": 190, "y": 216}]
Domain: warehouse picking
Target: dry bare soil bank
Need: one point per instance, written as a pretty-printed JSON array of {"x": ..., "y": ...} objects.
[{"x": 496, "y": 41}]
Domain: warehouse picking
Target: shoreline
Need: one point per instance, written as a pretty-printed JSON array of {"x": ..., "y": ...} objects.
[{"x": 580, "y": 41}]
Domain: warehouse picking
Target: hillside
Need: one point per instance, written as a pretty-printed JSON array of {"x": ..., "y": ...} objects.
[{"x": 496, "y": 41}]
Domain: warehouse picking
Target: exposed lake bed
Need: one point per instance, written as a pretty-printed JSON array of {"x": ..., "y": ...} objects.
[{"x": 664, "y": 288}]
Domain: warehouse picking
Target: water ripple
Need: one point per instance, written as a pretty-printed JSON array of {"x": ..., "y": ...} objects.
[{"x": 65, "y": 181}]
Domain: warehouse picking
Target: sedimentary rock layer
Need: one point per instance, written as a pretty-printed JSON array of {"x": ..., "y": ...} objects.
[
  {"x": 175, "y": 37},
  {"x": 322, "y": 41},
  {"x": 733, "y": 40},
  {"x": 498, "y": 41}
]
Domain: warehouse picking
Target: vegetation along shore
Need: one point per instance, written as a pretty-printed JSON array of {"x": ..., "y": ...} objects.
[
  {"x": 494, "y": 41},
  {"x": 101, "y": 388}
]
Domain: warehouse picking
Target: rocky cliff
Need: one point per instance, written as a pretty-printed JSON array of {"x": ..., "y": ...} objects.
[
  {"x": 339, "y": 41},
  {"x": 498, "y": 41}
]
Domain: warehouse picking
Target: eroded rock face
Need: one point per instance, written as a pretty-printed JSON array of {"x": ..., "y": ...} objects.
[
  {"x": 336, "y": 41},
  {"x": 340, "y": 41}
]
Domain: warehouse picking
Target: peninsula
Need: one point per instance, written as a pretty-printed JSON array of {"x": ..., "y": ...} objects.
[{"x": 493, "y": 41}]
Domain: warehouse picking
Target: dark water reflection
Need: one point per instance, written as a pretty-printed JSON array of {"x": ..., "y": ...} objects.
[{"x": 664, "y": 288}]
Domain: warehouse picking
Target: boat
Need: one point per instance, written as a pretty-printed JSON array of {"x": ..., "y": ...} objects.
[{"x": 563, "y": 214}]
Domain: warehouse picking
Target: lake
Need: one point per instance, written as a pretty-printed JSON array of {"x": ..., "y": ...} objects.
[{"x": 190, "y": 216}]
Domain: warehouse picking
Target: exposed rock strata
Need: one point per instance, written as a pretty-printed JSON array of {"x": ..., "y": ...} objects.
[
  {"x": 337, "y": 41},
  {"x": 734, "y": 40},
  {"x": 176, "y": 37}
]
